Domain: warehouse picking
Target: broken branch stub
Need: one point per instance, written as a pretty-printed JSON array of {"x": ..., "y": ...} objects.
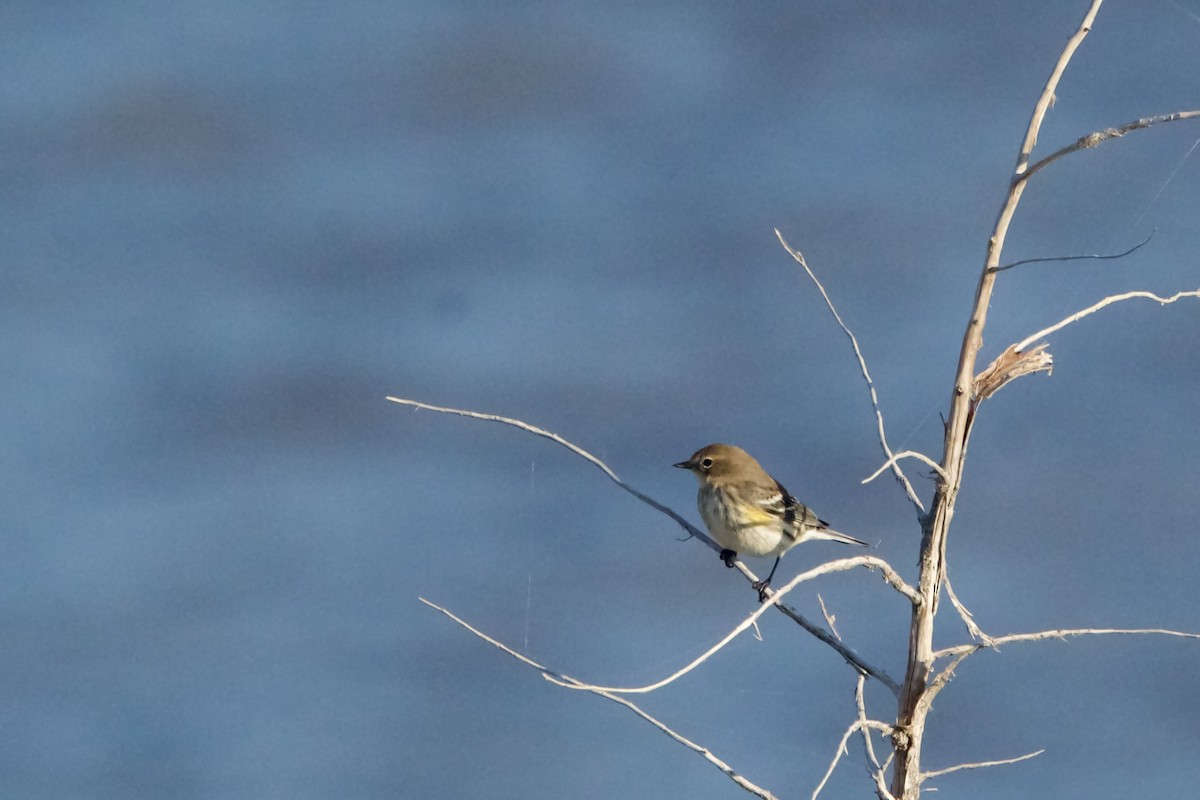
[{"x": 1008, "y": 366}]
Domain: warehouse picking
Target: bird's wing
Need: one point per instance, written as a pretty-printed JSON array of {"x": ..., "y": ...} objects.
[
  {"x": 795, "y": 514},
  {"x": 801, "y": 523}
]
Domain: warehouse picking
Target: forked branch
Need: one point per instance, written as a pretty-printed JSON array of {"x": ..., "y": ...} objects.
[
  {"x": 862, "y": 365},
  {"x": 890, "y": 575},
  {"x": 914, "y": 705},
  {"x": 688, "y": 743},
  {"x": 774, "y": 597}
]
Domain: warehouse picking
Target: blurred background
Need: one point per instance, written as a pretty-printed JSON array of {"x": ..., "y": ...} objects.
[{"x": 231, "y": 229}]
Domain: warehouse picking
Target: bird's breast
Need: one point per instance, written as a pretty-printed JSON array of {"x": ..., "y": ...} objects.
[{"x": 741, "y": 528}]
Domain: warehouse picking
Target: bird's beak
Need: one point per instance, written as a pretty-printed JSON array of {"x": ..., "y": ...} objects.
[{"x": 684, "y": 465}]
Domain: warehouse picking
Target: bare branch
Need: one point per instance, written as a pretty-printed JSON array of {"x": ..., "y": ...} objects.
[
  {"x": 914, "y": 711},
  {"x": 1092, "y": 309},
  {"x": 924, "y": 459},
  {"x": 848, "y": 654},
  {"x": 773, "y": 598},
  {"x": 577, "y": 450},
  {"x": 861, "y": 724},
  {"x": 944, "y": 677},
  {"x": 1096, "y": 256},
  {"x": 862, "y": 365},
  {"x": 1002, "y": 762},
  {"x": 864, "y": 724},
  {"x": 960, "y": 653},
  {"x": 887, "y": 572},
  {"x": 1008, "y": 366},
  {"x": 830, "y": 620},
  {"x": 971, "y": 649},
  {"x": 837, "y": 756},
  {"x": 967, "y": 617},
  {"x": 693, "y": 746},
  {"x": 1096, "y": 138},
  {"x": 852, "y": 658},
  {"x": 1046, "y": 100}
]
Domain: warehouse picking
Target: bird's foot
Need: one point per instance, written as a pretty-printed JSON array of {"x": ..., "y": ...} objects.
[
  {"x": 761, "y": 587},
  {"x": 728, "y": 556}
]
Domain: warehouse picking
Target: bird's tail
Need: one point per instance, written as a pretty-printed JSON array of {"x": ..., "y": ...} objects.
[{"x": 831, "y": 535}]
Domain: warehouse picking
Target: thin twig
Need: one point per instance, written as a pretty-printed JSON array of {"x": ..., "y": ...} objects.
[
  {"x": 1092, "y": 309},
  {"x": 998, "y": 641},
  {"x": 924, "y": 459},
  {"x": 1000, "y": 763},
  {"x": 852, "y": 658},
  {"x": 829, "y": 618},
  {"x": 693, "y": 746},
  {"x": 773, "y": 598},
  {"x": 837, "y": 756},
  {"x": 864, "y": 725},
  {"x": 860, "y": 724},
  {"x": 577, "y": 450},
  {"x": 967, "y": 617},
  {"x": 943, "y": 678},
  {"x": 862, "y": 365},
  {"x": 1096, "y": 256},
  {"x": 886, "y": 571},
  {"x": 1095, "y": 138}
]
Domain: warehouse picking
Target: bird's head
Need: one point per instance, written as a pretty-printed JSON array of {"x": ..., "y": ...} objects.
[{"x": 720, "y": 460}]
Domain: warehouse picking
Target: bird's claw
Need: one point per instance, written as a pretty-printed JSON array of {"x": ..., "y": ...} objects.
[
  {"x": 762, "y": 587},
  {"x": 728, "y": 556}
]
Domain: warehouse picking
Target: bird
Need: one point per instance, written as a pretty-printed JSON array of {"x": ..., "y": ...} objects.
[{"x": 748, "y": 511}]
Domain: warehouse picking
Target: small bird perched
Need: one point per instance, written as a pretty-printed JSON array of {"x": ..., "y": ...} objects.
[{"x": 748, "y": 511}]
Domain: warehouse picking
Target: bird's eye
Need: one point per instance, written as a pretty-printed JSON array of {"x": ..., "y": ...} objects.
[{"x": 706, "y": 463}]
